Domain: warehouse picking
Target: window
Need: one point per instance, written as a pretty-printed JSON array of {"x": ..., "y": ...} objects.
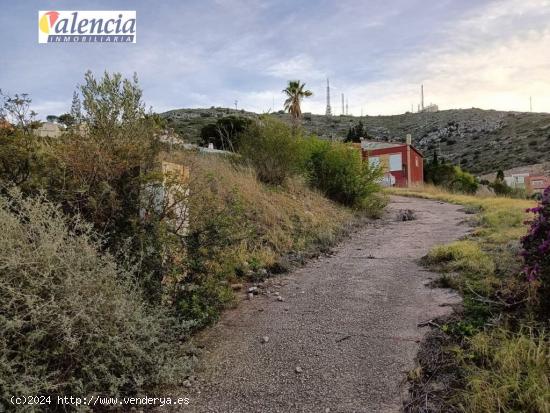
[{"x": 396, "y": 163}]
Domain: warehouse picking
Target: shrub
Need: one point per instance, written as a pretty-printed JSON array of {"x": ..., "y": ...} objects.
[
  {"x": 72, "y": 321},
  {"x": 463, "y": 182},
  {"x": 273, "y": 148},
  {"x": 339, "y": 172},
  {"x": 536, "y": 250},
  {"x": 449, "y": 176}
]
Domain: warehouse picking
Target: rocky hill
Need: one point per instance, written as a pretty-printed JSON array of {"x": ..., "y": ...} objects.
[{"x": 481, "y": 141}]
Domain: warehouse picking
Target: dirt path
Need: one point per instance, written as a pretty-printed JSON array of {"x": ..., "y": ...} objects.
[{"x": 348, "y": 322}]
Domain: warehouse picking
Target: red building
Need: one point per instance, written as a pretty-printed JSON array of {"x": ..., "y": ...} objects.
[
  {"x": 402, "y": 163},
  {"x": 537, "y": 184}
]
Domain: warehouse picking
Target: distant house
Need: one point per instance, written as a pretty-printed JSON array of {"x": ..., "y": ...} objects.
[
  {"x": 431, "y": 108},
  {"x": 517, "y": 181},
  {"x": 537, "y": 184},
  {"x": 402, "y": 163},
  {"x": 532, "y": 184},
  {"x": 49, "y": 129}
]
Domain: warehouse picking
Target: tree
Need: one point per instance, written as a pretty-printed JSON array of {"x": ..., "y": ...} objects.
[
  {"x": 295, "y": 93},
  {"x": 52, "y": 118},
  {"x": 18, "y": 109},
  {"x": 225, "y": 133},
  {"x": 435, "y": 160},
  {"x": 500, "y": 175},
  {"x": 76, "y": 107},
  {"x": 66, "y": 119},
  {"x": 355, "y": 133}
]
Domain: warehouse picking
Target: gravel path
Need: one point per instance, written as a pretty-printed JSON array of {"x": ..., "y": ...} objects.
[{"x": 345, "y": 333}]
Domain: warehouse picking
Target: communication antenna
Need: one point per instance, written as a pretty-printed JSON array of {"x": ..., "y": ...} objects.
[{"x": 328, "y": 111}]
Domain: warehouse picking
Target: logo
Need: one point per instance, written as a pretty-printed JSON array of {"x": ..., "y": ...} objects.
[{"x": 64, "y": 26}]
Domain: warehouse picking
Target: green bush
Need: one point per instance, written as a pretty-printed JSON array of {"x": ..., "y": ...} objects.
[
  {"x": 339, "y": 172},
  {"x": 452, "y": 177},
  {"x": 72, "y": 321},
  {"x": 272, "y": 148},
  {"x": 463, "y": 182},
  {"x": 225, "y": 133}
]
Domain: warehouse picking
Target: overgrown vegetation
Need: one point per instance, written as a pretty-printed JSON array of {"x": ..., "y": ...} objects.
[
  {"x": 497, "y": 347},
  {"x": 447, "y": 175},
  {"x": 277, "y": 152},
  {"x": 273, "y": 148},
  {"x": 536, "y": 253},
  {"x": 73, "y": 321},
  {"x": 115, "y": 248},
  {"x": 339, "y": 172}
]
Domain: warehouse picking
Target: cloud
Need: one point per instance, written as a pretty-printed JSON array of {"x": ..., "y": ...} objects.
[
  {"x": 297, "y": 67},
  {"x": 467, "y": 65},
  {"x": 485, "y": 53}
]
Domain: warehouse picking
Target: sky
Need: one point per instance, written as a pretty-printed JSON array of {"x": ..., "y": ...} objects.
[{"x": 491, "y": 54}]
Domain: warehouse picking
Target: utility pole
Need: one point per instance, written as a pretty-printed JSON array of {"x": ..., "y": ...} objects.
[{"x": 328, "y": 111}]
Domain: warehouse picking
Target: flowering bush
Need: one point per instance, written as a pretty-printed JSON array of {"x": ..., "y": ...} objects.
[{"x": 536, "y": 249}]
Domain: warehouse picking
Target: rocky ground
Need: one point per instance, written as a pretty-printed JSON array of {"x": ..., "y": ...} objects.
[
  {"x": 481, "y": 141},
  {"x": 337, "y": 335}
]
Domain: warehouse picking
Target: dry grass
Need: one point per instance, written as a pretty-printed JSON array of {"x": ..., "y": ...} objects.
[{"x": 284, "y": 219}]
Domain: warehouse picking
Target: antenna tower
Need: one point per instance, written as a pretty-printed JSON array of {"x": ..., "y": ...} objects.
[{"x": 329, "y": 110}]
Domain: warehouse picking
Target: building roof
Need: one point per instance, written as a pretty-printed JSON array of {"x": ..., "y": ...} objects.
[
  {"x": 371, "y": 145},
  {"x": 376, "y": 145}
]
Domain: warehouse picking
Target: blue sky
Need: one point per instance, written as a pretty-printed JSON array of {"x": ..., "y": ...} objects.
[{"x": 468, "y": 53}]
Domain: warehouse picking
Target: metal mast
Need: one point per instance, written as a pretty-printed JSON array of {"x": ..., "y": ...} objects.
[
  {"x": 343, "y": 112},
  {"x": 329, "y": 110}
]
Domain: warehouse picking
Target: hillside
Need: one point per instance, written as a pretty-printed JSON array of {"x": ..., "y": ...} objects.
[{"x": 481, "y": 141}]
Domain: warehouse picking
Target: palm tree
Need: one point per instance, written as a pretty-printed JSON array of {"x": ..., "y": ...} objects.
[{"x": 295, "y": 93}]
